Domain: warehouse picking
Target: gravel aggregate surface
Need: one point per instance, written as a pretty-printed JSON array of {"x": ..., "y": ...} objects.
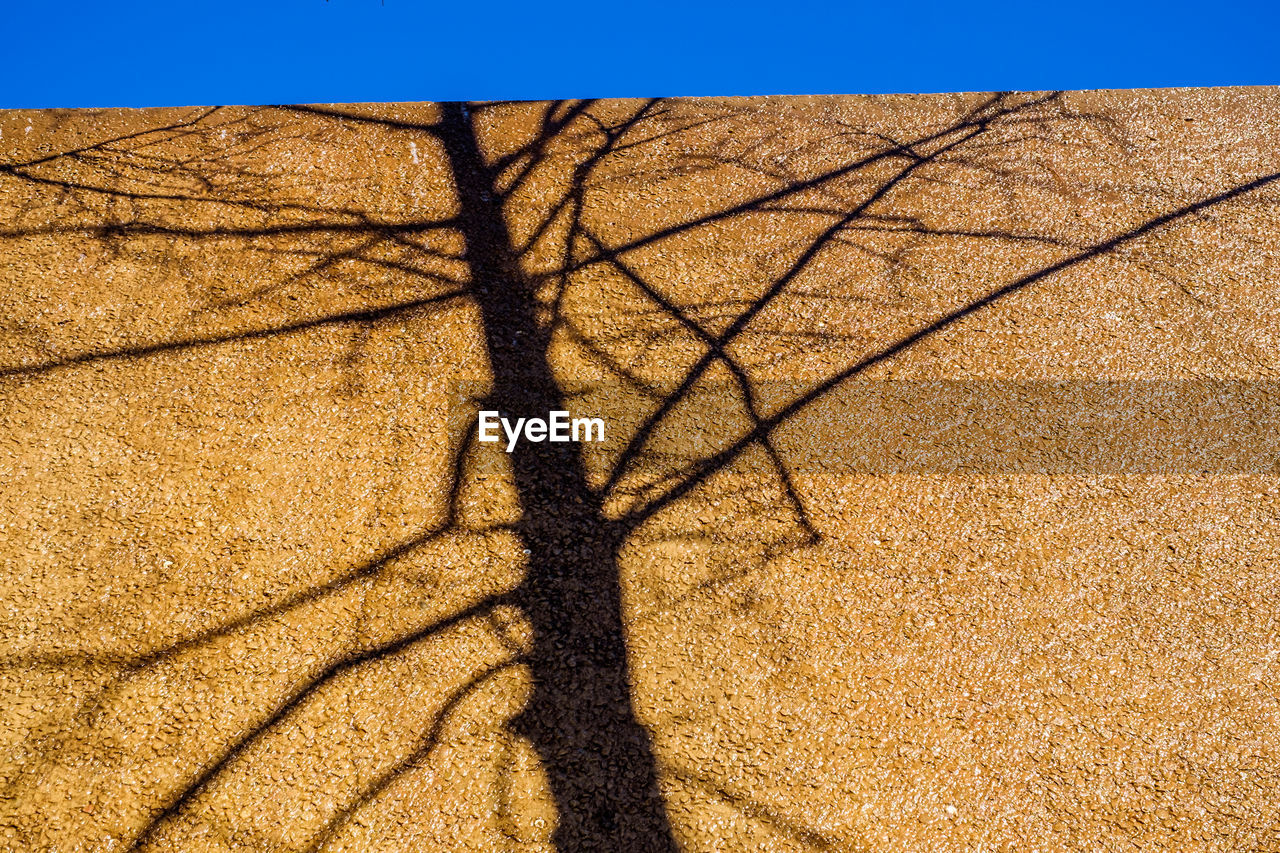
[{"x": 262, "y": 589}]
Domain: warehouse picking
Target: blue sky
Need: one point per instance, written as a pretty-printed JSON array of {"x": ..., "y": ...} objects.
[{"x": 182, "y": 52}]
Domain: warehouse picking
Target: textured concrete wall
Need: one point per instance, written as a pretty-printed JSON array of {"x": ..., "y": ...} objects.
[{"x": 260, "y": 592}]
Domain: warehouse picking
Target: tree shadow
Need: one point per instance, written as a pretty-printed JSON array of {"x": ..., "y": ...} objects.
[{"x": 522, "y": 244}]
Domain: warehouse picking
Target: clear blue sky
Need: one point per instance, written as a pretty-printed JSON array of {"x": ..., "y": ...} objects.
[{"x": 181, "y": 52}]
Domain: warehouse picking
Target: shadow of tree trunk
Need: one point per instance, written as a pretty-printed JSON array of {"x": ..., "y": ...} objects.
[{"x": 597, "y": 756}]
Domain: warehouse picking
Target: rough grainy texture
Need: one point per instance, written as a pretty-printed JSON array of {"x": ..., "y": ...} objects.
[{"x": 262, "y": 591}]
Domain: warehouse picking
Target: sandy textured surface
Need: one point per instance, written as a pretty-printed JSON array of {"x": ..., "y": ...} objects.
[{"x": 260, "y": 592}]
